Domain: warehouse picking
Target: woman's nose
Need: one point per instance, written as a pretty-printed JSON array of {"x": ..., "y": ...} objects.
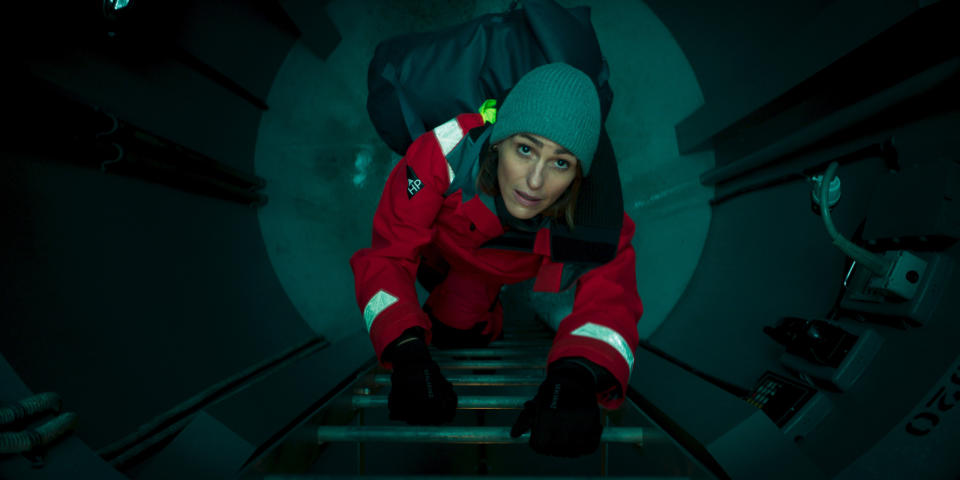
[{"x": 535, "y": 176}]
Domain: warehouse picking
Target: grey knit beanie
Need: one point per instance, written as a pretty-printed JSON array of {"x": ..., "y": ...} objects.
[{"x": 555, "y": 101}]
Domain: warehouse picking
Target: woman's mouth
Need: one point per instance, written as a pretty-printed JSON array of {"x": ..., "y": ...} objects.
[{"x": 524, "y": 199}]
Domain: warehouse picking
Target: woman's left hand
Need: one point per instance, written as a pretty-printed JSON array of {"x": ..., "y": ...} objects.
[{"x": 563, "y": 418}]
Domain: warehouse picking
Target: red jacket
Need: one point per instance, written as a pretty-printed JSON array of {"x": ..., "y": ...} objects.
[{"x": 417, "y": 212}]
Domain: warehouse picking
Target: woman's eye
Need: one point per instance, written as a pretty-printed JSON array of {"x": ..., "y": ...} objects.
[
  {"x": 524, "y": 150},
  {"x": 563, "y": 164}
]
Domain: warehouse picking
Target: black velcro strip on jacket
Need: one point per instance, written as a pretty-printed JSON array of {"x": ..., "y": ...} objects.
[
  {"x": 566, "y": 249},
  {"x": 600, "y": 203},
  {"x": 513, "y": 240},
  {"x": 599, "y": 213},
  {"x": 413, "y": 183}
]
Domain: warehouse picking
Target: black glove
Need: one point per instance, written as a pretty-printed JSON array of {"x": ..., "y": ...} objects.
[
  {"x": 419, "y": 394},
  {"x": 564, "y": 415}
]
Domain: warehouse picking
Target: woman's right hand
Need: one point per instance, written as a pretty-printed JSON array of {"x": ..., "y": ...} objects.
[{"x": 419, "y": 394}]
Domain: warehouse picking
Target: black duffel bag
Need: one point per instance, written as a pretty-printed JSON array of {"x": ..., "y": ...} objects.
[{"x": 419, "y": 81}]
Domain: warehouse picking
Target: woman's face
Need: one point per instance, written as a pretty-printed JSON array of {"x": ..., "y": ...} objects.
[{"x": 533, "y": 173}]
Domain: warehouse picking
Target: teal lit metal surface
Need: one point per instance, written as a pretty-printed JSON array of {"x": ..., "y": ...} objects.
[
  {"x": 469, "y": 435},
  {"x": 491, "y": 352},
  {"x": 477, "y": 380},
  {"x": 460, "y": 477},
  {"x": 492, "y": 364},
  {"x": 463, "y": 402},
  {"x": 520, "y": 343}
]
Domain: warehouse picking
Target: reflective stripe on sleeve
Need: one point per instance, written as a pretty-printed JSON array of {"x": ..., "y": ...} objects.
[
  {"x": 377, "y": 304},
  {"x": 608, "y": 336},
  {"x": 449, "y": 135}
]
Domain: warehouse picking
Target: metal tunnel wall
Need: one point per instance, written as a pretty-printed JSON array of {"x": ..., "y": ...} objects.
[{"x": 130, "y": 296}]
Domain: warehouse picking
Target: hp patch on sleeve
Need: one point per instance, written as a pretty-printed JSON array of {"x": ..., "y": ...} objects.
[{"x": 413, "y": 183}]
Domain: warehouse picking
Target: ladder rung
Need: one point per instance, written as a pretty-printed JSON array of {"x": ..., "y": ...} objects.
[
  {"x": 490, "y": 364},
  {"x": 464, "y": 402},
  {"x": 471, "y": 435},
  {"x": 521, "y": 343},
  {"x": 476, "y": 380},
  {"x": 317, "y": 476},
  {"x": 490, "y": 352}
]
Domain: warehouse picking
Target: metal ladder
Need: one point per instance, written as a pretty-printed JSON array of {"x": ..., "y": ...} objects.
[{"x": 492, "y": 384}]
